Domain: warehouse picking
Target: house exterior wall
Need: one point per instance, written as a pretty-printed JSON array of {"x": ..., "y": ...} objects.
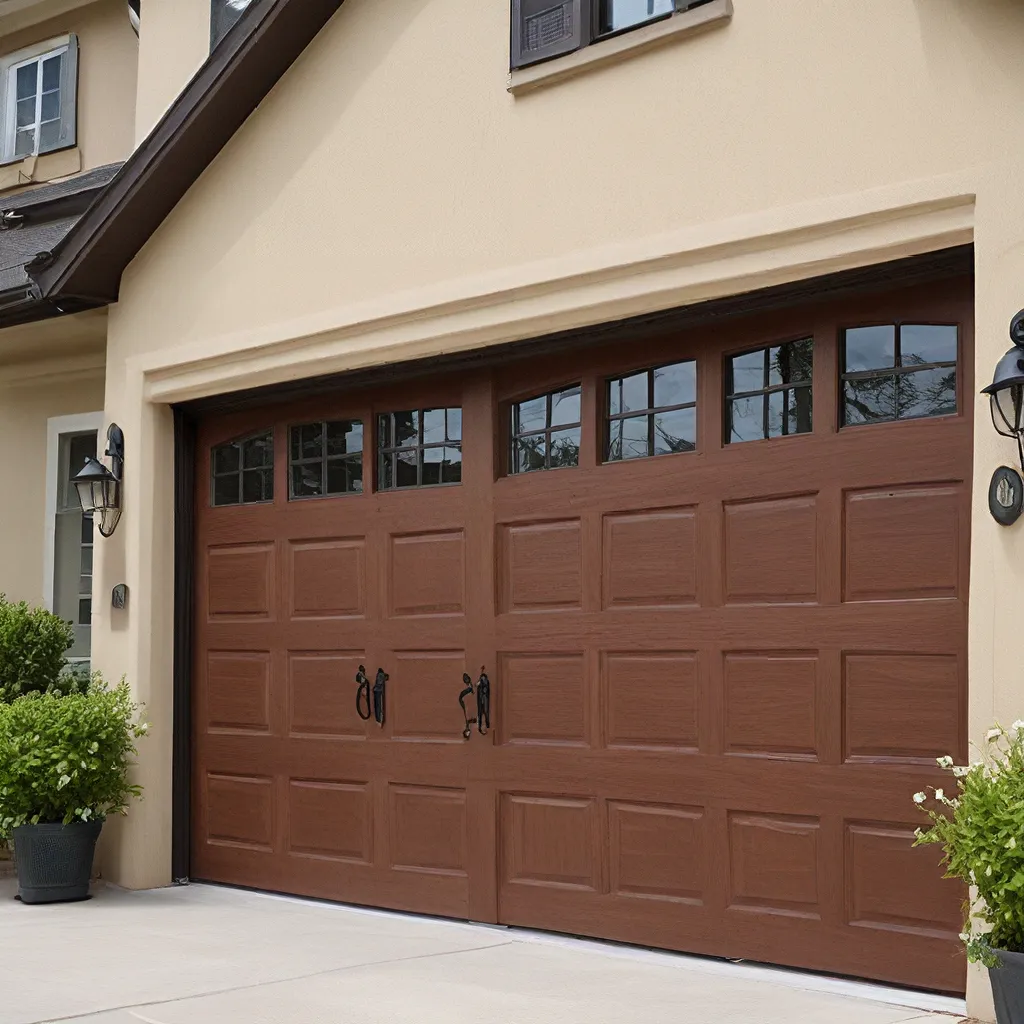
[
  {"x": 31, "y": 393},
  {"x": 107, "y": 70},
  {"x": 391, "y": 199}
]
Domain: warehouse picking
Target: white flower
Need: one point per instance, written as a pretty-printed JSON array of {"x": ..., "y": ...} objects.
[
  {"x": 1018, "y": 725},
  {"x": 959, "y": 771},
  {"x": 994, "y": 734},
  {"x": 919, "y": 798},
  {"x": 945, "y": 761},
  {"x": 939, "y": 795}
]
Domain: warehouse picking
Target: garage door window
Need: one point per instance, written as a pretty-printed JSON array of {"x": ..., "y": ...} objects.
[
  {"x": 546, "y": 431},
  {"x": 419, "y": 448},
  {"x": 899, "y": 372},
  {"x": 653, "y": 412},
  {"x": 769, "y": 392},
  {"x": 243, "y": 471},
  {"x": 326, "y": 459}
]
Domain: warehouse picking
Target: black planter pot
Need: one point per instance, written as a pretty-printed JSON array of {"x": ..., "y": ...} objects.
[
  {"x": 54, "y": 862},
  {"x": 1008, "y": 987}
]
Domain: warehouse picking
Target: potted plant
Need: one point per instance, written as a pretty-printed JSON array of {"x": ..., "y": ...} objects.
[
  {"x": 64, "y": 767},
  {"x": 980, "y": 826},
  {"x": 33, "y": 648}
]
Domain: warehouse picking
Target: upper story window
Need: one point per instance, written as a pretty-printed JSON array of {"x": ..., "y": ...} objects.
[
  {"x": 223, "y": 14},
  {"x": 899, "y": 372},
  {"x": 769, "y": 392},
  {"x": 419, "y": 448},
  {"x": 653, "y": 412},
  {"x": 546, "y": 431},
  {"x": 39, "y": 87},
  {"x": 243, "y": 471},
  {"x": 542, "y": 29}
]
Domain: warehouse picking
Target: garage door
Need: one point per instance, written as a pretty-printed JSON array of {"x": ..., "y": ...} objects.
[{"x": 718, "y": 582}]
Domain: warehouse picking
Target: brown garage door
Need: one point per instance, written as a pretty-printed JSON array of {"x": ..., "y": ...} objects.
[{"x": 719, "y": 583}]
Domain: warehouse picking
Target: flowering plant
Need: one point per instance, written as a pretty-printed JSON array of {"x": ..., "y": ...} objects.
[{"x": 981, "y": 831}]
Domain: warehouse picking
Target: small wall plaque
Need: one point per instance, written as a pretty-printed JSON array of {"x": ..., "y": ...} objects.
[
  {"x": 1006, "y": 496},
  {"x": 119, "y": 597}
]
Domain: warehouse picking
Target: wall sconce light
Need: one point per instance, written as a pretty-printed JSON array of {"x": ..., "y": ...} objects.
[
  {"x": 1006, "y": 405},
  {"x": 99, "y": 488}
]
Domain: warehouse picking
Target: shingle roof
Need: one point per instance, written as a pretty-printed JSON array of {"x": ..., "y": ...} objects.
[{"x": 38, "y": 219}]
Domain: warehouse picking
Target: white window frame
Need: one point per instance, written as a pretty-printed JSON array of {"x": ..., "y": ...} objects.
[
  {"x": 8, "y": 69},
  {"x": 55, "y": 427}
]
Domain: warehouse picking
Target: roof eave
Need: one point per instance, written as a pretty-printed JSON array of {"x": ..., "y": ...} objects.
[{"x": 88, "y": 264}]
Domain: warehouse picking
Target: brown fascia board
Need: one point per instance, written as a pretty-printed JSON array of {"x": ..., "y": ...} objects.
[{"x": 88, "y": 264}]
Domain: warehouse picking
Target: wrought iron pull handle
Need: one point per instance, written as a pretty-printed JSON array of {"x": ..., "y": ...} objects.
[
  {"x": 468, "y": 691},
  {"x": 483, "y": 703},
  {"x": 378, "y": 696},
  {"x": 363, "y": 692},
  {"x": 482, "y": 692}
]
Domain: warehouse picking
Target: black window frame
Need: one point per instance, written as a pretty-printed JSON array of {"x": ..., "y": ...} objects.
[
  {"x": 515, "y": 434},
  {"x": 650, "y": 412},
  {"x": 582, "y": 27},
  {"x": 324, "y": 459},
  {"x": 730, "y": 395},
  {"x": 266, "y": 470},
  {"x": 390, "y": 451},
  {"x": 897, "y": 370}
]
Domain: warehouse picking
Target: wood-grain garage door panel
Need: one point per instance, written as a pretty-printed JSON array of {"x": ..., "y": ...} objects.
[{"x": 718, "y": 675}]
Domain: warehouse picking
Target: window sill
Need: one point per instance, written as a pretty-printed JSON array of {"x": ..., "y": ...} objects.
[
  {"x": 34, "y": 170},
  {"x": 620, "y": 47}
]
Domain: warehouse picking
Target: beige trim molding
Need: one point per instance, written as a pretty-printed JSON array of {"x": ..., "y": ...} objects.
[
  {"x": 621, "y": 47},
  {"x": 54, "y": 371},
  {"x": 675, "y": 269}
]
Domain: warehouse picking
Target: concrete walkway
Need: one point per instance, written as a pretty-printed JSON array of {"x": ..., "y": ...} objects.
[{"x": 200, "y": 954}]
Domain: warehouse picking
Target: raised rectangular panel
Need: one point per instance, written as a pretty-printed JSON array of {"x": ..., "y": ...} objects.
[
  {"x": 656, "y": 851},
  {"x": 770, "y": 551},
  {"x": 328, "y": 578},
  {"x": 240, "y": 811},
  {"x": 427, "y": 573},
  {"x": 650, "y": 558},
  {"x": 902, "y": 543},
  {"x": 543, "y": 699},
  {"x": 901, "y": 707},
  {"x": 330, "y": 820},
  {"x": 894, "y": 886},
  {"x": 238, "y": 691},
  {"x": 321, "y": 693},
  {"x": 541, "y": 566},
  {"x": 240, "y": 581},
  {"x": 774, "y": 864},
  {"x": 770, "y": 703},
  {"x": 427, "y": 829},
  {"x": 549, "y": 841},
  {"x": 423, "y": 696},
  {"x": 650, "y": 699}
]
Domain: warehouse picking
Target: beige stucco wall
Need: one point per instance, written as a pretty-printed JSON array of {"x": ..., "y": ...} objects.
[
  {"x": 45, "y": 372},
  {"x": 390, "y": 198},
  {"x": 107, "y": 71}
]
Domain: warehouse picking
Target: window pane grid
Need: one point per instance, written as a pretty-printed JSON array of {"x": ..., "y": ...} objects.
[
  {"x": 901, "y": 371},
  {"x": 550, "y": 438},
  {"x": 667, "y": 424},
  {"x": 779, "y": 407},
  {"x": 242, "y": 471},
  {"x": 419, "y": 448},
  {"x": 317, "y": 469}
]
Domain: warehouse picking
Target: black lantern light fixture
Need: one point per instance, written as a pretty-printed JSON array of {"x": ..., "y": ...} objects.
[
  {"x": 99, "y": 488},
  {"x": 1006, "y": 405}
]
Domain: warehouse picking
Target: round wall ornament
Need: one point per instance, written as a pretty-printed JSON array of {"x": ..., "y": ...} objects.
[{"x": 1006, "y": 496}]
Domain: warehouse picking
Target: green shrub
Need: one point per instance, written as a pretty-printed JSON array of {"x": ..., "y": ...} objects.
[
  {"x": 67, "y": 758},
  {"x": 981, "y": 831},
  {"x": 33, "y": 645}
]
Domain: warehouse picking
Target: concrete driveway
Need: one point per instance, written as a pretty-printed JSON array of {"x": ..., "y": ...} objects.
[{"x": 204, "y": 954}]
